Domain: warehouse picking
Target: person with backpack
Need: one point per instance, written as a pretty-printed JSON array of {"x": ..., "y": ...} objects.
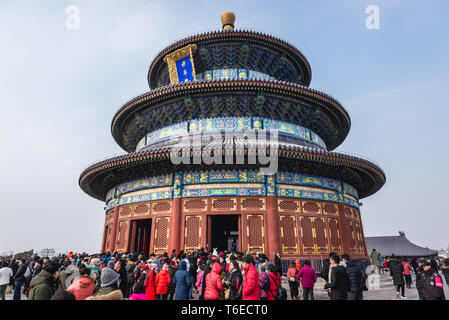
[
  {"x": 275, "y": 283},
  {"x": 339, "y": 280},
  {"x": 307, "y": 276},
  {"x": 355, "y": 277}
]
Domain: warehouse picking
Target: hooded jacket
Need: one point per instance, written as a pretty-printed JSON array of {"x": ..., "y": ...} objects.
[
  {"x": 251, "y": 283},
  {"x": 82, "y": 288},
  {"x": 162, "y": 282},
  {"x": 213, "y": 283},
  {"x": 183, "y": 281},
  {"x": 150, "y": 284},
  {"x": 42, "y": 286}
]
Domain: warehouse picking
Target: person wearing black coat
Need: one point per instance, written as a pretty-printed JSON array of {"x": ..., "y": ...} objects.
[
  {"x": 396, "y": 270},
  {"x": 19, "y": 278},
  {"x": 355, "y": 276},
  {"x": 340, "y": 283},
  {"x": 432, "y": 283},
  {"x": 130, "y": 271},
  {"x": 120, "y": 268},
  {"x": 234, "y": 281},
  {"x": 419, "y": 278},
  {"x": 277, "y": 263}
]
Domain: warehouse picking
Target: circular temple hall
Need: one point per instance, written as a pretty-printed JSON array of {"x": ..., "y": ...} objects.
[{"x": 214, "y": 85}]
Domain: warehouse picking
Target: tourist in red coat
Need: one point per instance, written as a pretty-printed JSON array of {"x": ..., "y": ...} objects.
[
  {"x": 162, "y": 283},
  {"x": 275, "y": 282},
  {"x": 213, "y": 283},
  {"x": 150, "y": 283},
  {"x": 251, "y": 280}
]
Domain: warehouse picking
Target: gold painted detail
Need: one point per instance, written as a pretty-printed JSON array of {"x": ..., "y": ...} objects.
[{"x": 171, "y": 59}]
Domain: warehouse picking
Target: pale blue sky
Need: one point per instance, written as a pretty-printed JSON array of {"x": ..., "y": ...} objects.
[{"x": 60, "y": 88}]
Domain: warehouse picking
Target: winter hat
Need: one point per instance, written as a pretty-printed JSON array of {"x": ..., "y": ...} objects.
[
  {"x": 426, "y": 263},
  {"x": 165, "y": 267},
  {"x": 108, "y": 277},
  {"x": 153, "y": 266},
  {"x": 173, "y": 263},
  {"x": 145, "y": 267},
  {"x": 111, "y": 264}
]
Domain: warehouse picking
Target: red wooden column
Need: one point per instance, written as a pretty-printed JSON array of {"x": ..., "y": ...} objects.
[
  {"x": 105, "y": 234},
  {"x": 363, "y": 236},
  {"x": 346, "y": 242},
  {"x": 272, "y": 226},
  {"x": 174, "y": 240},
  {"x": 113, "y": 240}
]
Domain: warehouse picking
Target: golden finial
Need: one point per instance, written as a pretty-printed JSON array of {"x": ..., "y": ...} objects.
[{"x": 228, "y": 19}]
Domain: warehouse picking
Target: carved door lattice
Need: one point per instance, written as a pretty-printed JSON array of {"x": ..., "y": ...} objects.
[
  {"x": 352, "y": 237},
  {"x": 161, "y": 233},
  {"x": 314, "y": 237},
  {"x": 255, "y": 233},
  {"x": 192, "y": 233},
  {"x": 289, "y": 235},
  {"x": 334, "y": 235},
  {"x": 122, "y": 236}
]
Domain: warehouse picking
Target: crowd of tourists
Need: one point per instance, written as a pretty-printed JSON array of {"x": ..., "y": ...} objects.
[
  {"x": 428, "y": 281},
  {"x": 206, "y": 275}
]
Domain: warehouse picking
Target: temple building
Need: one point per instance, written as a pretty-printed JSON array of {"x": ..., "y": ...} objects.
[
  {"x": 219, "y": 85},
  {"x": 399, "y": 246}
]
